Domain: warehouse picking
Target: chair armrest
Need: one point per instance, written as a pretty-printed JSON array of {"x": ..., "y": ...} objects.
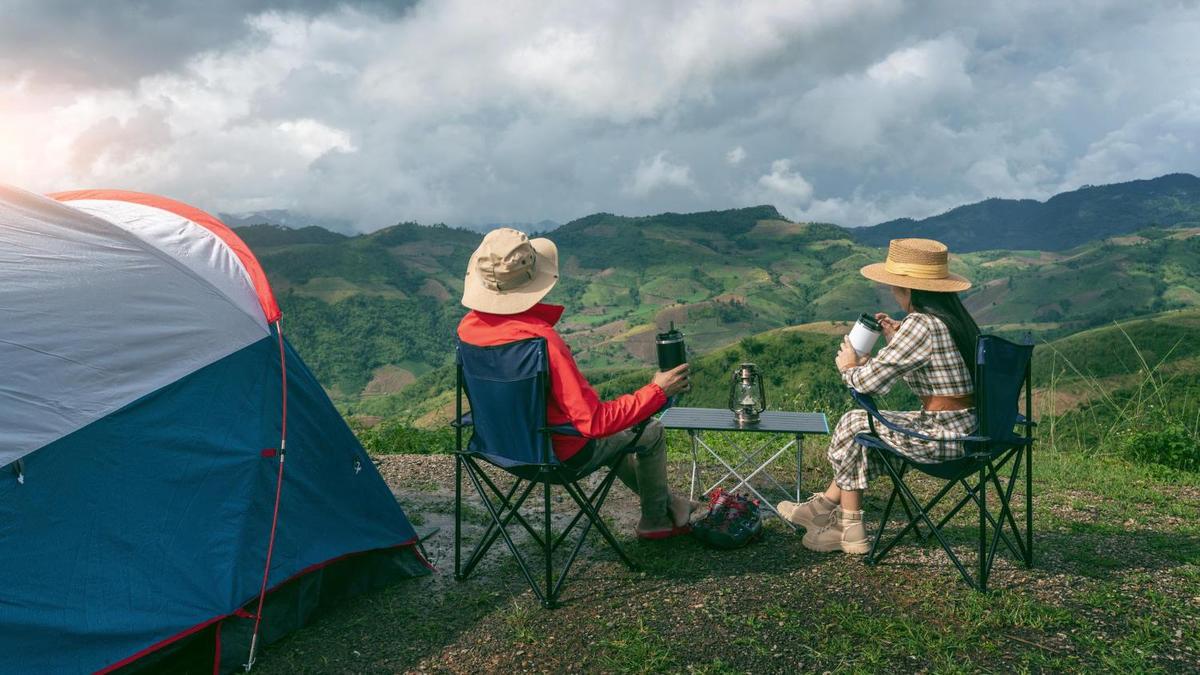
[
  {"x": 467, "y": 421},
  {"x": 562, "y": 430},
  {"x": 873, "y": 413}
]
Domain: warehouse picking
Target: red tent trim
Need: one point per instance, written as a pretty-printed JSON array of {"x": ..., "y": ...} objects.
[
  {"x": 201, "y": 626},
  {"x": 254, "y": 271}
]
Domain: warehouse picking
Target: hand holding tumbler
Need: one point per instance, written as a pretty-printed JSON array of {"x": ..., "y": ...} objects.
[{"x": 671, "y": 352}]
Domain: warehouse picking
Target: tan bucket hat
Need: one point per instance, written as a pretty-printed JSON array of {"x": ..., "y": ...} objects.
[
  {"x": 509, "y": 272},
  {"x": 923, "y": 264}
]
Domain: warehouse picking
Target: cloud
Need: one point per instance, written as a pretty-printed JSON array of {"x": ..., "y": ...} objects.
[
  {"x": 1160, "y": 141},
  {"x": 796, "y": 199},
  {"x": 115, "y": 43},
  {"x": 783, "y": 183},
  {"x": 660, "y": 174},
  {"x": 862, "y": 111},
  {"x": 311, "y": 139},
  {"x": 465, "y": 112}
]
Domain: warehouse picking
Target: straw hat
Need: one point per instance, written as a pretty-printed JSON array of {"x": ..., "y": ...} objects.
[
  {"x": 509, "y": 272},
  {"x": 923, "y": 264}
]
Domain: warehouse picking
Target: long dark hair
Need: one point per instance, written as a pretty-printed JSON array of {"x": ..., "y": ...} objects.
[{"x": 948, "y": 308}]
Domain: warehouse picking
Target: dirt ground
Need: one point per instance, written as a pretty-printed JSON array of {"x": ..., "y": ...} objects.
[{"x": 1101, "y": 596}]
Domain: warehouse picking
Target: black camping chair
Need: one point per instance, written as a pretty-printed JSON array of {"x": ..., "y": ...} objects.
[
  {"x": 507, "y": 388},
  {"x": 1002, "y": 371}
]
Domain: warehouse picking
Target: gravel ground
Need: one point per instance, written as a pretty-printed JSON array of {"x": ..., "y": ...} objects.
[{"x": 1102, "y": 596}]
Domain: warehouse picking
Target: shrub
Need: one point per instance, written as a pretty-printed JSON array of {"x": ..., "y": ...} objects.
[
  {"x": 394, "y": 437},
  {"x": 1170, "y": 444}
]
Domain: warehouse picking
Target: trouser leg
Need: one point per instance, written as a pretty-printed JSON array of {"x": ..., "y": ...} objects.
[
  {"x": 644, "y": 471},
  {"x": 650, "y": 469}
]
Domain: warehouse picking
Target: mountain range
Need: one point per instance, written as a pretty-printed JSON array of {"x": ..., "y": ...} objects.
[
  {"x": 372, "y": 313},
  {"x": 1061, "y": 222}
]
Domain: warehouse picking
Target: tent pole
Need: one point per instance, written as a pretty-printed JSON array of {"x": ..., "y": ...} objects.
[{"x": 262, "y": 594}]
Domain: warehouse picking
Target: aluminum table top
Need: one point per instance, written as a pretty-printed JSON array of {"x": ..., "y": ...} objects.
[{"x": 721, "y": 419}]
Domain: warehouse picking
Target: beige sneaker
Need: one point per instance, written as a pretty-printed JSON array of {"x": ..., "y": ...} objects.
[
  {"x": 811, "y": 515},
  {"x": 845, "y": 532}
]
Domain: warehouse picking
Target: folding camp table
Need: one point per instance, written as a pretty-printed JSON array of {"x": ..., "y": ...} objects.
[{"x": 796, "y": 424}]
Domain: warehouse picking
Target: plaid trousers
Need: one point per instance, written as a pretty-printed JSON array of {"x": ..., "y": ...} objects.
[{"x": 853, "y": 466}]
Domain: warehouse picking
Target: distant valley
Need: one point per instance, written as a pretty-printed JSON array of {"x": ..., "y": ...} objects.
[{"x": 374, "y": 313}]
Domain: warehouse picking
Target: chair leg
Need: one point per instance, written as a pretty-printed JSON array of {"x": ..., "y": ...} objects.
[
  {"x": 597, "y": 505},
  {"x": 507, "y": 509},
  {"x": 905, "y": 493},
  {"x": 597, "y": 498},
  {"x": 504, "y": 503},
  {"x": 887, "y": 512},
  {"x": 1020, "y": 552},
  {"x": 1020, "y": 545},
  {"x": 550, "y": 600},
  {"x": 923, "y": 514},
  {"x": 493, "y": 533},
  {"x": 458, "y": 517},
  {"x": 983, "y": 512},
  {"x": 921, "y": 536},
  {"x": 562, "y": 577},
  {"x": 502, "y": 523},
  {"x": 970, "y": 495},
  {"x": 592, "y": 515},
  {"x": 1028, "y": 505}
]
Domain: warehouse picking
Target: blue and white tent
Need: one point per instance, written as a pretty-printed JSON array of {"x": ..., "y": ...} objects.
[{"x": 148, "y": 400}]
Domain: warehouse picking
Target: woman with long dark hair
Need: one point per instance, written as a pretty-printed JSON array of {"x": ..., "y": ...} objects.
[{"x": 933, "y": 350}]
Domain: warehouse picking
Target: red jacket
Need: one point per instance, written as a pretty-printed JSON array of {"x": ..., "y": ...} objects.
[{"x": 572, "y": 399}]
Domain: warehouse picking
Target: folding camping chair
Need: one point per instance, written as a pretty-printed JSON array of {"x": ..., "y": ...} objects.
[
  {"x": 507, "y": 388},
  {"x": 1002, "y": 370}
]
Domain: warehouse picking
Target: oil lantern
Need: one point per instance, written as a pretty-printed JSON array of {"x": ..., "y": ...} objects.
[{"x": 747, "y": 396}]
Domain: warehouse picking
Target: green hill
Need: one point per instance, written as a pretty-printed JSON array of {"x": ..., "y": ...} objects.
[
  {"x": 369, "y": 312},
  {"x": 1127, "y": 389},
  {"x": 1061, "y": 222},
  {"x": 797, "y": 363},
  {"x": 372, "y": 313}
]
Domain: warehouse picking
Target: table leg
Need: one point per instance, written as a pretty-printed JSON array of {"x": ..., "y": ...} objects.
[
  {"x": 744, "y": 481},
  {"x": 747, "y": 458},
  {"x": 695, "y": 466},
  {"x": 799, "y": 464}
]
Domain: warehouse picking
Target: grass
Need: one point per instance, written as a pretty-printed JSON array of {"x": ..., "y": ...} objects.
[
  {"x": 1153, "y": 418},
  {"x": 1115, "y": 585}
]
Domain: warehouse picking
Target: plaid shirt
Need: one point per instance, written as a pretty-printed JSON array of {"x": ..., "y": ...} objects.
[{"x": 923, "y": 354}]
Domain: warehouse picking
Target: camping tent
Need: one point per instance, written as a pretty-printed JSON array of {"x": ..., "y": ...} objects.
[{"x": 147, "y": 402}]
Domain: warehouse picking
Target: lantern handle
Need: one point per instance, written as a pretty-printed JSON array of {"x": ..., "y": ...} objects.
[
  {"x": 733, "y": 383},
  {"x": 762, "y": 393}
]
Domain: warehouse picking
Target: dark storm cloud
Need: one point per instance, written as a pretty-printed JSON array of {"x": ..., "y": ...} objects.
[
  {"x": 114, "y": 43},
  {"x": 463, "y": 111}
]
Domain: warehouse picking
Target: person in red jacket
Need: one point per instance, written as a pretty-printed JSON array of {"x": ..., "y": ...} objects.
[{"x": 507, "y": 278}]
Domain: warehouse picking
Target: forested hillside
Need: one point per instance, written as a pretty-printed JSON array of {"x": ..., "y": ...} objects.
[
  {"x": 372, "y": 313},
  {"x": 1061, "y": 222}
]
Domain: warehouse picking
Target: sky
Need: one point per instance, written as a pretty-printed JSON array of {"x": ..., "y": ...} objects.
[{"x": 468, "y": 112}]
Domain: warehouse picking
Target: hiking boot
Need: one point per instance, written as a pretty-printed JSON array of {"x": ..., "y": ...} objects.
[
  {"x": 812, "y": 514},
  {"x": 845, "y": 532}
]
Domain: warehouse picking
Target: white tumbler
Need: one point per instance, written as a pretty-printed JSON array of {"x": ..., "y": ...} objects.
[{"x": 865, "y": 333}]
